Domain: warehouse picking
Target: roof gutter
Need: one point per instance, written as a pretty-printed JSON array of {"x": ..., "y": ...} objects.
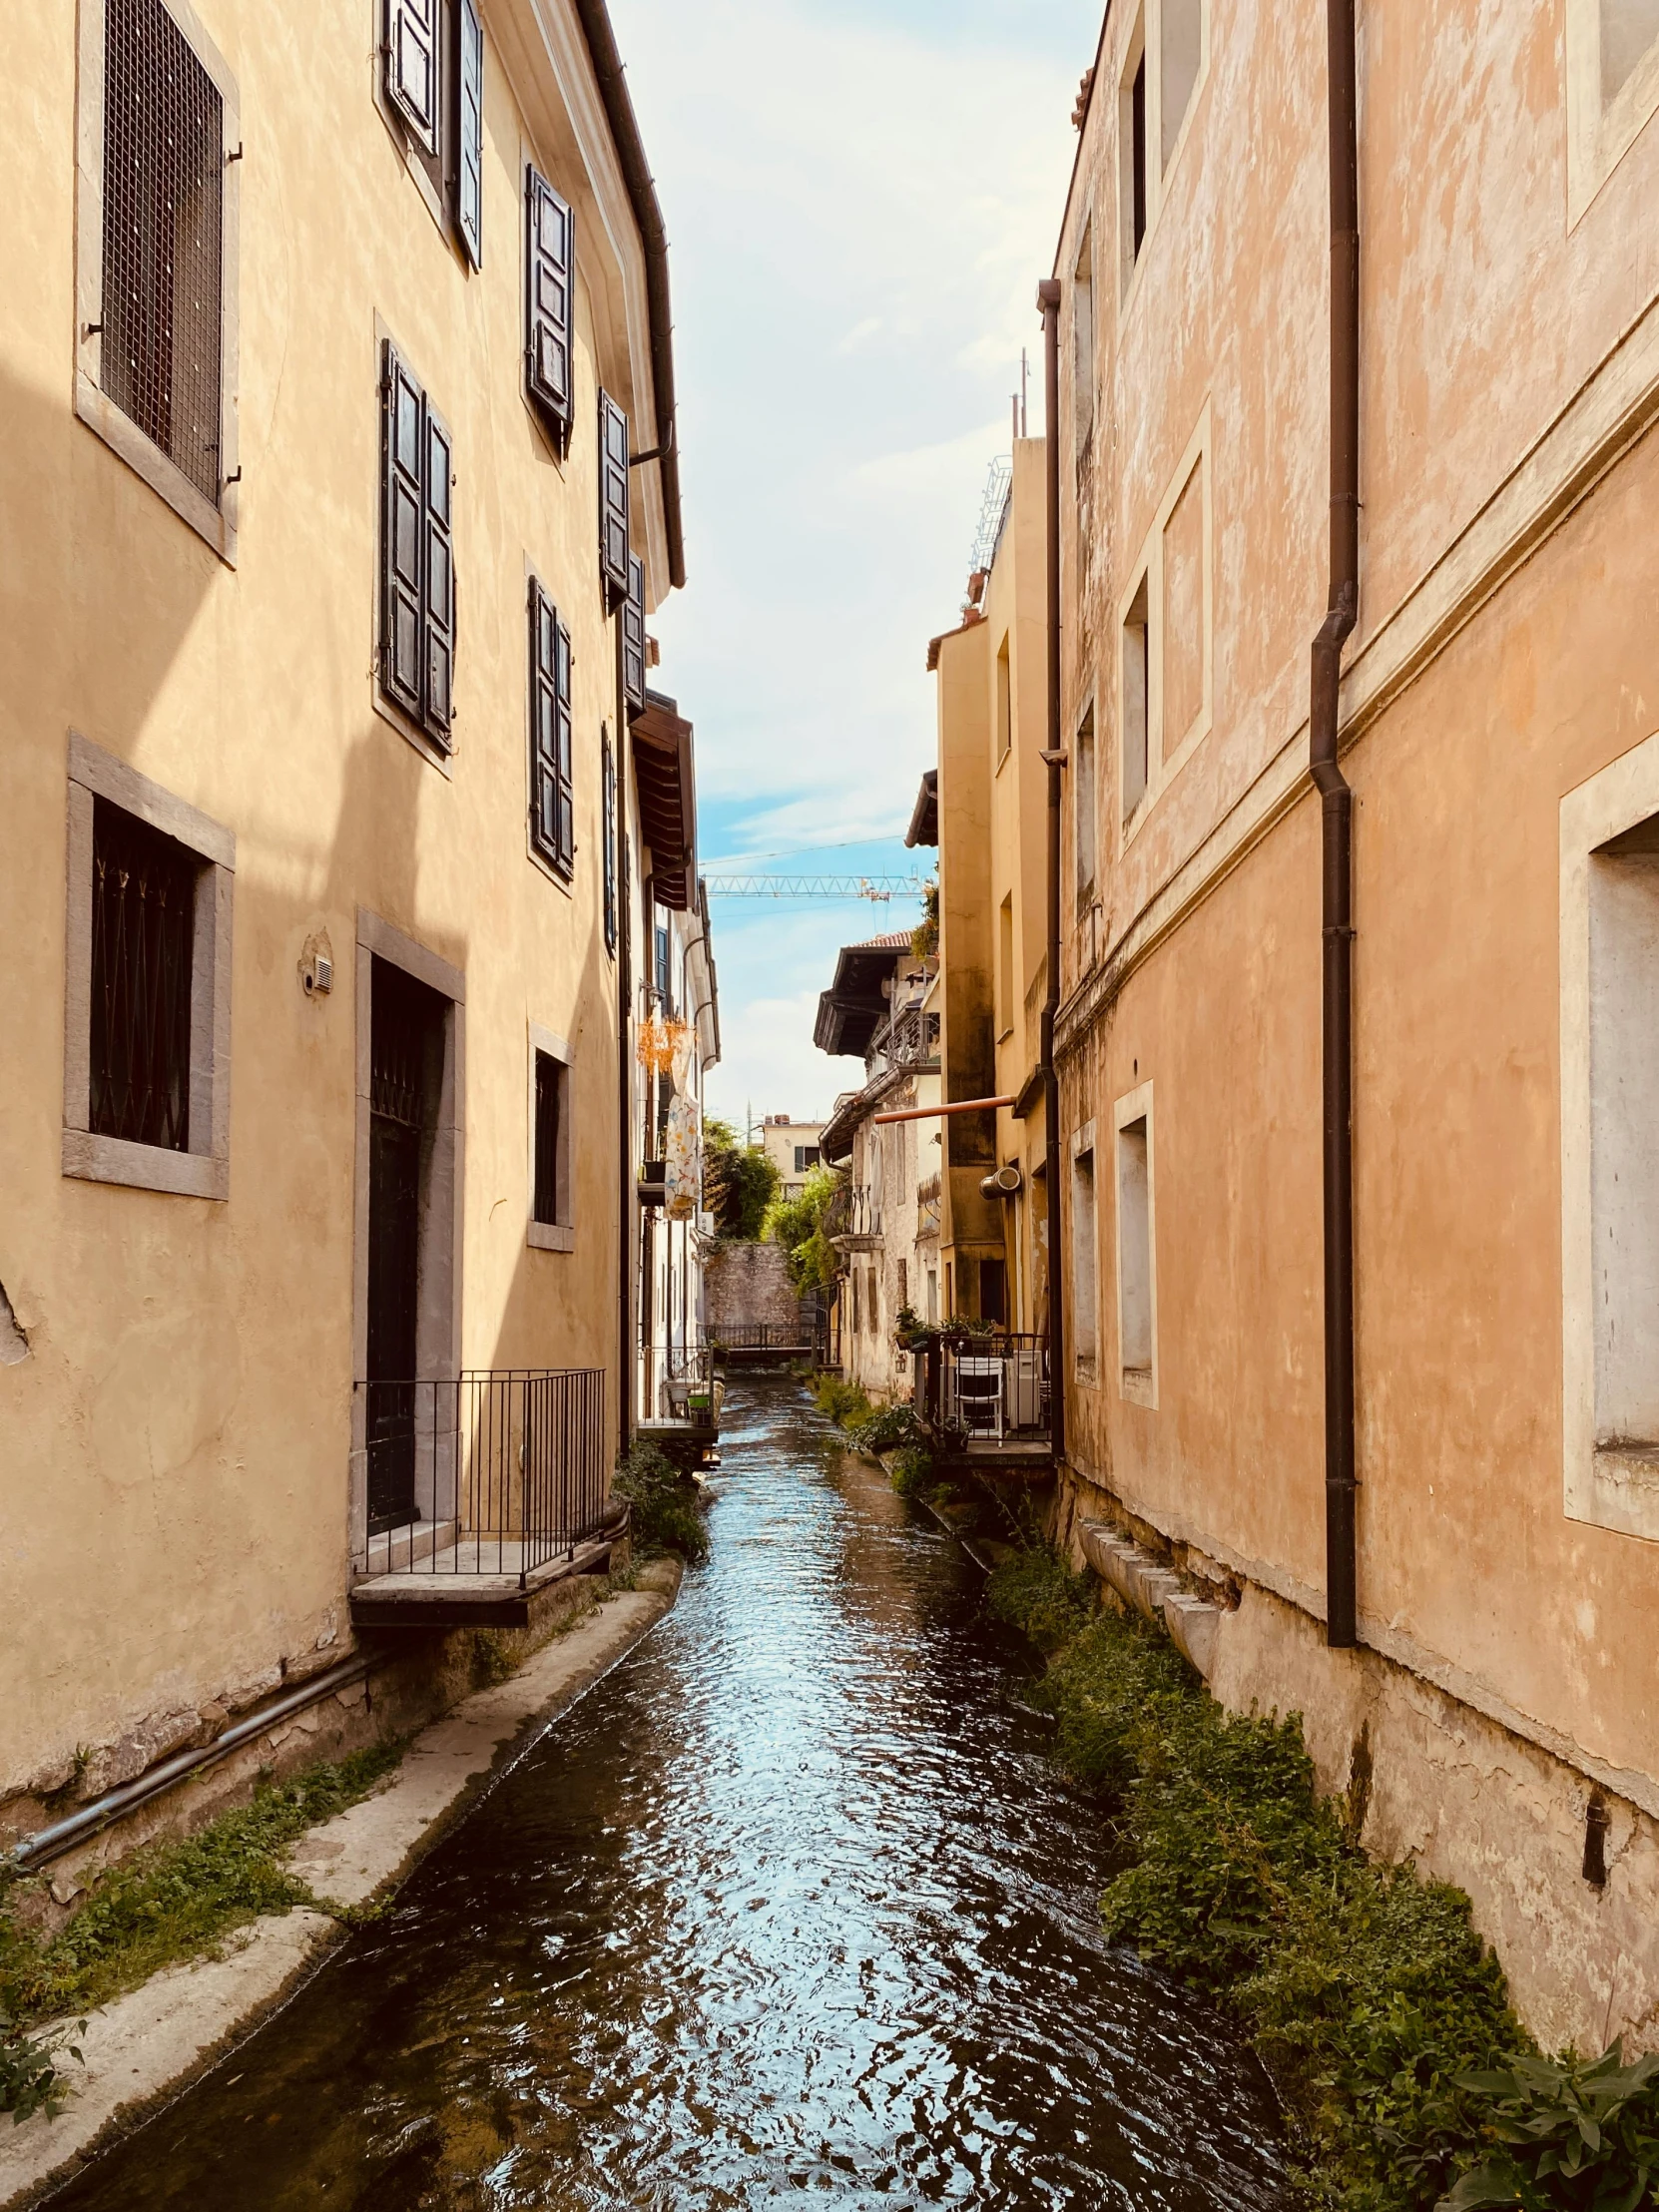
[
  {"x": 648, "y": 213},
  {"x": 1337, "y": 836}
]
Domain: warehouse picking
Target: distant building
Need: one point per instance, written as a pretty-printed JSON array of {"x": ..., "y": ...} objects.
[{"x": 793, "y": 1149}]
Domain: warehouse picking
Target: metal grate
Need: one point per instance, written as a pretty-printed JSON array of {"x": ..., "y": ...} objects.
[
  {"x": 164, "y": 192},
  {"x": 143, "y": 926},
  {"x": 406, "y": 1049}
]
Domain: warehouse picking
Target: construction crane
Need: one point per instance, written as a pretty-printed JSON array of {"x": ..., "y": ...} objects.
[{"x": 877, "y": 889}]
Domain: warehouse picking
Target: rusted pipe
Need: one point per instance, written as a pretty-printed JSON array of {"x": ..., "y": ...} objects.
[
  {"x": 1336, "y": 835},
  {"x": 1048, "y": 300},
  {"x": 956, "y": 1106}
]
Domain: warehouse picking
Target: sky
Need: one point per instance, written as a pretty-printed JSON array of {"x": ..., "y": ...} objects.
[{"x": 860, "y": 199}]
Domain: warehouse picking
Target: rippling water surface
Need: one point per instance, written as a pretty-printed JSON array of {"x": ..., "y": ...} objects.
[{"x": 791, "y": 1905}]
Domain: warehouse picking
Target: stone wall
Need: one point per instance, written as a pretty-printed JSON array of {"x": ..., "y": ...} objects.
[{"x": 748, "y": 1283}]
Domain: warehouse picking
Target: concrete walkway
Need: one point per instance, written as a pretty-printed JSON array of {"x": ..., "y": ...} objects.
[{"x": 142, "y": 2048}]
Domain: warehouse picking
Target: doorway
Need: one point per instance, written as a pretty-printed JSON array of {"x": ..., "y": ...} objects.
[{"x": 405, "y": 1079}]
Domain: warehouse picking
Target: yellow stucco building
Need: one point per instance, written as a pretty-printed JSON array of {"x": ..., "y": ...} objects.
[{"x": 340, "y": 480}]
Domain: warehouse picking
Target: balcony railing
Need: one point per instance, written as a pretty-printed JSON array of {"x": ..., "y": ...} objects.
[
  {"x": 986, "y": 1389},
  {"x": 853, "y": 1210},
  {"x": 495, "y": 1471},
  {"x": 910, "y": 1040}
]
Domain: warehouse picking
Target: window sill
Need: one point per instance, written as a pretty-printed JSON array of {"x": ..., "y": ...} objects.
[
  {"x": 539, "y": 861},
  {"x": 409, "y": 728},
  {"x": 145, "y": 1167},
  {"x": 1137, "y": 1387},
  {"x": 551, "y": 1236},
  {"x": 216, "y": 526}
]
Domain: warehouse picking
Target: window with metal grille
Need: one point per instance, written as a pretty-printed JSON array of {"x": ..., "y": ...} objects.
[
  {"x": 143, "y": 935},
  {"x": 552, "y": 797},
  {"x": 417, "y": 554},
  {"x": 550, "y": 1079},
  {"x": 164, "y": 239}
]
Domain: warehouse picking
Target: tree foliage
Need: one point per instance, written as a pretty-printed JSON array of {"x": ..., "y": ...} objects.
[
  {"x": 739, "y": 1181},
  {"x": 797, "y": 1225}
]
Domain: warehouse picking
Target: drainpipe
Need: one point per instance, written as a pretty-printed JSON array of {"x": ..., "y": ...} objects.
[
  {"x": 1048, "y": 299},
  {"x": 627, "y": 1209},
  {"x": 1336, "y": 835}
]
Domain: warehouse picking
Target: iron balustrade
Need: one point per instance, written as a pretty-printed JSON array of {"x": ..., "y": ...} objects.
[
  {"x": 495, "y": 1471},
  {"x": 852, "y": 1210},
  {"x": 994, "y": 1387}
]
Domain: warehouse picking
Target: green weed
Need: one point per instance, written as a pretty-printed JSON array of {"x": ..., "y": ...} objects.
[{"x": 666, "y": 1514}]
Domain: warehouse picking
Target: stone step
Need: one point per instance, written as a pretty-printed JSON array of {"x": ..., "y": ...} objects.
[{"x": 1144, "y": 1583}]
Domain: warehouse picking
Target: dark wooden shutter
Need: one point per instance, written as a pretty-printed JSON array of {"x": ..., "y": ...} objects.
[
  {"x": 544, "y": 725},
  {"x": 469, "y": 162},
  {"x": 549, "y": 280},
  {"x": 566, "y": 804},
  {"x": 412, "y": 68},
  {"x": 613, "y": 498},
  {"x": 633, "y": 637},
  {"x": 403, "y": 439},
  {"x": 608, "y": 801},
  {"x": 439, "y": 563}
]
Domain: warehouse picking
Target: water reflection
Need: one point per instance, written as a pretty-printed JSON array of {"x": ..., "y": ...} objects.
[{"x": 792, "y": 1903}]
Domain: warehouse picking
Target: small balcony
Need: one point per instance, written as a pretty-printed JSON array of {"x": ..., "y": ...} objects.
[
  {"x": 853, "y": 1219},
  {"x": 986, "y": 1400},
  {"x": 472, "y": 1493}
]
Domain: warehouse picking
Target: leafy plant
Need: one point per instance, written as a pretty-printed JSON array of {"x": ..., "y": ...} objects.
[
  {"x": 925, "y": 937},
  {"x": 666, "y": 1514},
  {"x": 1566, "y": 2133},
  {"x": 910, "y": 1333},
  {"x": 845, "y": 1402},
  {"x": 912, "y": 1470},
  {"x": 886, "y": 1429},
  {"x": 175, "y": 1901},
  {"x": 31, "y": 2079}
]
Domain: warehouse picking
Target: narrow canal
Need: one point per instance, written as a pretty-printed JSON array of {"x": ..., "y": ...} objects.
[{"x": 792, "y": 1903}]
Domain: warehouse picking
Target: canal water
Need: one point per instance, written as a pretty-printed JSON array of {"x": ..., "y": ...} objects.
[{"x": 791, "y": 1905}]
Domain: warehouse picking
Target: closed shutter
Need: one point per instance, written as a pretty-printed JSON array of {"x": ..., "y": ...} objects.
[
  {"x": 469, "y": 168},
  {"x": 412, "y": 68},
  {"x": 438, "y": 520},
  {"x": 633, "y": 637},
  {"x": 613, "y": 498},
  {"x": 552, "y": 825},
  {"x": 550, "y": 266},
  {"x": 402, "y": 622}
]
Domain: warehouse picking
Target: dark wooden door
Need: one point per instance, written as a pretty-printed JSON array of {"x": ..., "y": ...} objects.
[{"x": 406, "y": 1069}]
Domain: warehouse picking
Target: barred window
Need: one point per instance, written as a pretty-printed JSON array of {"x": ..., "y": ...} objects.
[
  {"x": 163, "y": 239},
  {"x": 143, "y": 932}
]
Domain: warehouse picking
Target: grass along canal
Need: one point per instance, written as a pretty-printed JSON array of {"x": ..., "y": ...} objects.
[{"x": 794, "y": 1902}]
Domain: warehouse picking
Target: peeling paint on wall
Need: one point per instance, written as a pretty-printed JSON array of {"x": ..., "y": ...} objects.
[{"x": 14, "y": 1338}]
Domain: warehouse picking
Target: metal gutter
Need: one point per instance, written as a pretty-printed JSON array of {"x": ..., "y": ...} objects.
[
  {"x": 642, "y": 194},
  {"x": 1048, "y": 299},
  {"x": 51, "y": 1843}
]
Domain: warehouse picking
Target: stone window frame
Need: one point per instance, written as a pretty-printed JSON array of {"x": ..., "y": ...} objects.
[
  {"x": 216, "y": 524},
  {"x": 1138, "y": 1385},
  {"x": 205, "y": 1170},
  {"x": 1085, "y": 1364},
  {"x": 559, "y": 1236},
  {"x": 1604, "y": 1482},
  {"x": 1145, "y": 38},
  {"x": 1165, "y": 761},
  {"x": 1600, "y": 134}
]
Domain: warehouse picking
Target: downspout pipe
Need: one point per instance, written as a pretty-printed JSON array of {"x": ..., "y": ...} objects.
[
  {"x": 628, "y": 1195},
  {"x": 1336, "y": 836},
  {"x": 1048, "y": 300}
]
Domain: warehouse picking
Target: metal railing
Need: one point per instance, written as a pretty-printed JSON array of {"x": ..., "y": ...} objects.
[
  {"x": 493, "y": 1472},
  {"x": 995, "y": 1387},
  {"x": 853, "y": 1210},
  {"x": 910, "y": 1039}
]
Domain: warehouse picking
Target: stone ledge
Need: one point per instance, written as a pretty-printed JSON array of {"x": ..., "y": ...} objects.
[{"x": 1154, "y": 1591}]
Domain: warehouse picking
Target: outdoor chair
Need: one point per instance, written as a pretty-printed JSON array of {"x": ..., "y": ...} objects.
[{"x": 979, "y": 1395}]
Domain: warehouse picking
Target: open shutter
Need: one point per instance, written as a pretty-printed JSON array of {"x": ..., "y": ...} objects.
[
  {"x": 549, "y": 274},
  {"x": 613, "y": 498},
  {"x": 412, "y": 68},
  {"x": 633, "y": 637},
  {"x": 403, "y": 408},
  {"x": 438, "y": 528},
  {"x": 608, "y": 801},
  {"x": 469, "y": 165},
  {"x": 552, "y": 827},
  {"x": 566, "y": 798}
]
